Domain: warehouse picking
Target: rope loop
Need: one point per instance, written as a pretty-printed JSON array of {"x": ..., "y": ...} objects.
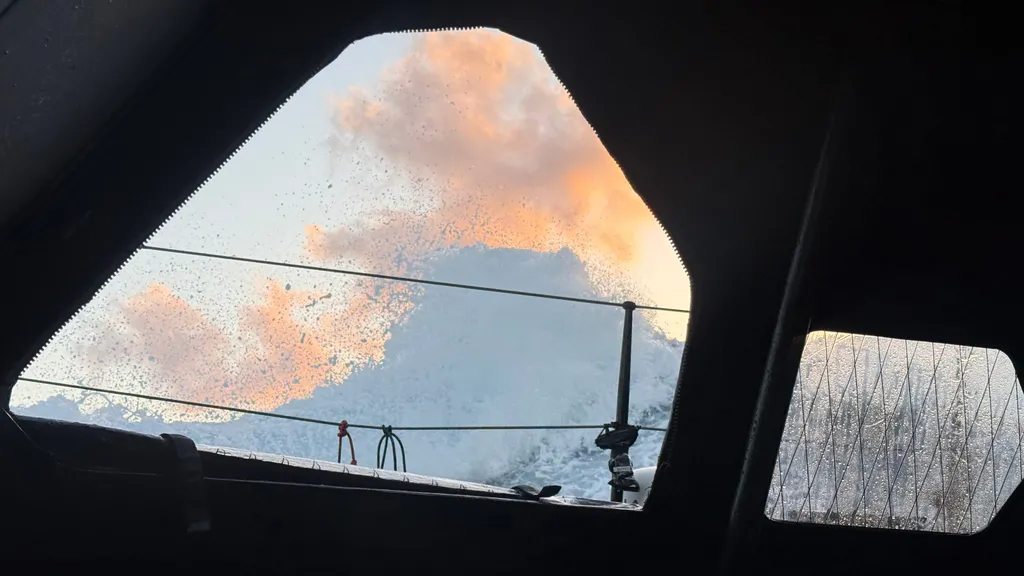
[
  {"x": 389, "y": 437},
  {"x": 342, "y": 434}
]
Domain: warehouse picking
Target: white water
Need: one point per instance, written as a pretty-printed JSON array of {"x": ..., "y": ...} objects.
[{"x": 467, "y": 358}]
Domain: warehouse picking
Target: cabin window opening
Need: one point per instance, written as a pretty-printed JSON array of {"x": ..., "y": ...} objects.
[{"x": 427, "y": 241}]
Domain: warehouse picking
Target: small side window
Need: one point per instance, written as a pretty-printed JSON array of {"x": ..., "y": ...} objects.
[{"x": 899, "y": 434}]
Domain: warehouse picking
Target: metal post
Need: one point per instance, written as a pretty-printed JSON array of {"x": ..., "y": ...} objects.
[{"x": 622, "y": 401}]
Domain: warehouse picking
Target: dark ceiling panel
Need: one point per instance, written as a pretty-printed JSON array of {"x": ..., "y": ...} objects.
[{"x": 66, "y": 69}]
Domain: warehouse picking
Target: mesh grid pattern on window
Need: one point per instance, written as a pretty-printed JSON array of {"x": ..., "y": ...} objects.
[{"x": 898, "y": 434}]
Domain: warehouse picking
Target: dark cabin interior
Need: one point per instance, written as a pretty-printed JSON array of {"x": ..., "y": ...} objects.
[{"x": 820, "y": 166}]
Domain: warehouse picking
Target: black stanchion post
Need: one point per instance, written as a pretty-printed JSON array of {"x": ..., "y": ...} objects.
[{"x": 622, "y": 401}]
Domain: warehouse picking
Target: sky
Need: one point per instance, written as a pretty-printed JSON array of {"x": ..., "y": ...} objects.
[{"x": 406, "y": 145}]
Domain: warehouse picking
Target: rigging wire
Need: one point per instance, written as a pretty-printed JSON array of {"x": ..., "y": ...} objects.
[
  {"x": 312, "y": 420},
  {"x": 389, "y": 437},
  {"x": 405, "y": 279}
]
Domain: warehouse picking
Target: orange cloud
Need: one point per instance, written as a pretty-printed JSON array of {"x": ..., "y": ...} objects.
[
  {"x": 276, "y": 357},
  {"x": 477, "y": 120}
]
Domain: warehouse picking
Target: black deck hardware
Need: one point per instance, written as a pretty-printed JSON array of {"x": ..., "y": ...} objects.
[{"x": 535, "y": 494}]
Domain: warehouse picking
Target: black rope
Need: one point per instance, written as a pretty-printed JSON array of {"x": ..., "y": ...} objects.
[
  {"x": 405, "y": 279},
  {"x": 310, "y": 420},
  {"x": 389, "y": 437}
]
